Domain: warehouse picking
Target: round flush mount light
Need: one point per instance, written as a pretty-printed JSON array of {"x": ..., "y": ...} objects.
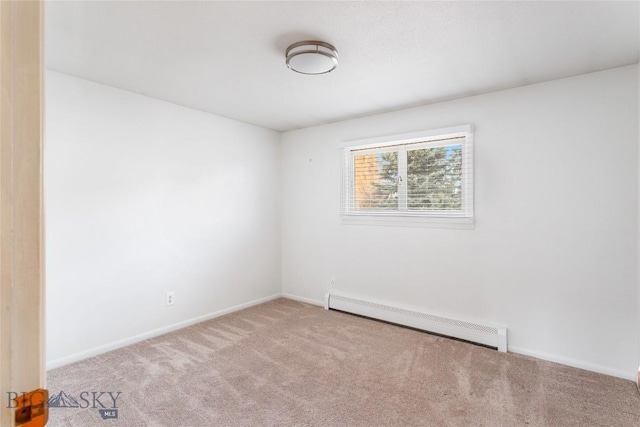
[{"x": 312, "y": 57}]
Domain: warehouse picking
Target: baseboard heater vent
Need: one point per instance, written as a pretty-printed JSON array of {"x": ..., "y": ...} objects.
[{"x": 489, "y": 335}]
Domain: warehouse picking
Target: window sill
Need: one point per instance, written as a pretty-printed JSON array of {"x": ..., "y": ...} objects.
[{"x": 395, "y": 220}]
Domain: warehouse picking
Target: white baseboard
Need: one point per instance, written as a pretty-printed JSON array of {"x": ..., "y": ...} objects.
[
  {"x": 151, "y": 334},
  {"x": 587, "y": 366},
  {"x": 303, "y": 299},
  {"x": 632, "y": 376}
]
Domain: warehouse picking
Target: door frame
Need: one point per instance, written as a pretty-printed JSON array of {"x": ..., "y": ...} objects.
[{"x": 22, "y": 332}]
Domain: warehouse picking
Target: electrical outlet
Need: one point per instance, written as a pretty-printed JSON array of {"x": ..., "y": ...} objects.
[
  {"x": 170, "y": 298},
  {"x": 332, "y": 282}
]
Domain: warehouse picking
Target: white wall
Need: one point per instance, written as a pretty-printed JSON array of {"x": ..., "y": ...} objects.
[
  {"x": 553, "y": 254},
  {"x": 144, "y": 197}
]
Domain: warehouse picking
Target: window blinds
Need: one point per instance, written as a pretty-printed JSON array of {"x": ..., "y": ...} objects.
[{"x": 428, "y": 177}]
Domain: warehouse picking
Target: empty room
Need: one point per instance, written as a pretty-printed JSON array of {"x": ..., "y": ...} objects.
[{"x": 320, "y": 213}]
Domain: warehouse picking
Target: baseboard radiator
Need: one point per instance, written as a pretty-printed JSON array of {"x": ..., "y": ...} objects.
[{"x": 489, "y": 335}]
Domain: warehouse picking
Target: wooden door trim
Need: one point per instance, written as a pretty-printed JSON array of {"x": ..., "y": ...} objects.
[{"x": 22, "y": 366}]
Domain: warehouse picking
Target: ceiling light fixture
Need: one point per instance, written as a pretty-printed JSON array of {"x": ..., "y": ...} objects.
[{"x": 312, "y": 57}]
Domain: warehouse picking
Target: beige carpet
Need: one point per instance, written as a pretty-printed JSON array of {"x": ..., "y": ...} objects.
[{"x": 286, "y": 363}]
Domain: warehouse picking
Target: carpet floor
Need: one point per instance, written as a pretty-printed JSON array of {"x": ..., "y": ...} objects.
[{"x": 286, "y": 363}]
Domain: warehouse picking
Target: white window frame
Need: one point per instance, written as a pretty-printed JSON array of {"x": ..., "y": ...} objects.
[{"x": 403, "y": 143}]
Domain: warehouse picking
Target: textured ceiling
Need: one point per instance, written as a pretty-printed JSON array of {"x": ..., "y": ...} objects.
[{"x": 227, "y": 58}]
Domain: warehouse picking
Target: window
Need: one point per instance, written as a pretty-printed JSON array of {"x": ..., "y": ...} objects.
[{"x": 425, "y": 176}]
